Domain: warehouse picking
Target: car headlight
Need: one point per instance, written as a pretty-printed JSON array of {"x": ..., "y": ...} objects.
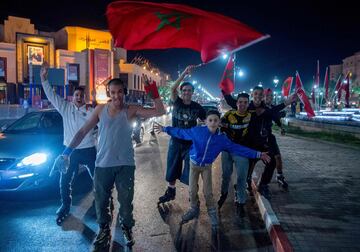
[
  {"x": 33, "y": 160},
  {"x": 134, "y": 124}
]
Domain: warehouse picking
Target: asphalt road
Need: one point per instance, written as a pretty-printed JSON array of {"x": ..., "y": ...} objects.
[{"x": 27, "y": 220}]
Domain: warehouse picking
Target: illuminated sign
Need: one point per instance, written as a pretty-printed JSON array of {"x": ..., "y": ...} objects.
[{"x": 83, "y": 38}]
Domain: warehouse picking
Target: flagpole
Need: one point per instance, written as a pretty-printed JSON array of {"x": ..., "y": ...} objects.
[{"x": 234, "y": 59}]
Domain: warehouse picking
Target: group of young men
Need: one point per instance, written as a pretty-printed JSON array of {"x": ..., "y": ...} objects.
[{"x": 111, "y": 160}]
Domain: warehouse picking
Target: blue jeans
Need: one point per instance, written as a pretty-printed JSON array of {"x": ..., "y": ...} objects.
[
  {"x": 241, "y": 166},
  {"x": 177, "y": 154}
]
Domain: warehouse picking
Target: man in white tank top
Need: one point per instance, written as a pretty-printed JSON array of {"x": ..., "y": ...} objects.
[{"x": 115, "y": 156}]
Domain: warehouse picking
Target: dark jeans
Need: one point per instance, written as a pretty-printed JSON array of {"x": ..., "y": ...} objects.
[
  {"x": 86, "y": 157},
  {"x": 177, "y": 153},
  {"x": 123, "y": 177},
  {"x": 268, "y": 170}
]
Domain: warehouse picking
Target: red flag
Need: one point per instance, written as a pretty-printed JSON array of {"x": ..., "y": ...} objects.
[
  {"x": 227, "y": 81},
  {"x": 302, "y": 96},
  {"x": 338, "y": 87},
  {"x": 326, "y": 84},
  {"x": 287, "y": 86},
  {"x": 144, "y": 25}
]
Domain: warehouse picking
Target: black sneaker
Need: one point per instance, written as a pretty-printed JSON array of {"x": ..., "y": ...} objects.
[
  {"x": 103, "y": 238},
  {"x": 240, "y": 209},
  {"x": 264, "y": 191},
  {"x": 128, "y": 235},
  {"x": 170, "y": 194},
  {"x": 281, "y": 181},
  {"x": 222, "y": 199}
]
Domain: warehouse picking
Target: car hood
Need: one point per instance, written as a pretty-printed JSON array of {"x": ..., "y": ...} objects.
[{"x": 22, "y": 145}]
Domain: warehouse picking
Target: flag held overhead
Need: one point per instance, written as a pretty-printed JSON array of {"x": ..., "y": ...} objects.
[{"x": 137, "y": 25}]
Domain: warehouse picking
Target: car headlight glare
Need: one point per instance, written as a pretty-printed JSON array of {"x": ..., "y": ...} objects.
[
  {"x": 134, "y": 124},
  {"x": 33, "y": 160}
]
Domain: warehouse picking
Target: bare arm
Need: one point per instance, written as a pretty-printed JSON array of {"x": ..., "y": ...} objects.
[
  {"x": 84, "y": 130},
  {"x": 138, "y": 111},
  {"x": 174, "y": 93}
]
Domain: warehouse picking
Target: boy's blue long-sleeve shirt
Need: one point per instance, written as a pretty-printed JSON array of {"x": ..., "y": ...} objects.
[{"x": 207, "y": 146}]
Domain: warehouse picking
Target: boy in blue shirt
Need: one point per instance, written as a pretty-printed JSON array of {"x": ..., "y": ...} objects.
[{"x": 207, "y": 143}]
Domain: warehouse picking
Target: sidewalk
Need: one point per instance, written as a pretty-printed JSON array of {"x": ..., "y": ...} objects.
[{"x": 321, "y": 211}]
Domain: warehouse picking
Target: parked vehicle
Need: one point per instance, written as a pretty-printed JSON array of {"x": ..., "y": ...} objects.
[
  {"x": 140, "y": 127},
  {"x": 28, "y": 148}
]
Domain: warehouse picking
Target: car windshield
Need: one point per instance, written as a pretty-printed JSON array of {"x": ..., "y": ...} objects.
[{"x": 37, "y": 122}]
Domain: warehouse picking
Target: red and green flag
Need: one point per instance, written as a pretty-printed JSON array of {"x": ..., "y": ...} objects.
[
  {"x": 286, "y": 87},
  {"x": 303, "y": 97},
  {"x": 137, "y": 25},
  {"x": 227, "y": 81}
]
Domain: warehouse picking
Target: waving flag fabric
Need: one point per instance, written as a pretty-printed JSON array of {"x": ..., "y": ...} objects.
[
  {"x": 287, "y": 86},
  {"x": 138, "y": 25},
  {"x": 227, "y": 82},
  {"x": 302, "y": 96}
]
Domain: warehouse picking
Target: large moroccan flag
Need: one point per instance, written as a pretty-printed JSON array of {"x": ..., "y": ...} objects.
[
  {"x": 227, "y": 82},
  {"x": 286, "y": 87},
  {"x": 138, "y": 25},
  {"x": 302, "y": 96}
]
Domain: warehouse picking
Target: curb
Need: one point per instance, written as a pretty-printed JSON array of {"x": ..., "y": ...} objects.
[{"x": 277, "y": 235}]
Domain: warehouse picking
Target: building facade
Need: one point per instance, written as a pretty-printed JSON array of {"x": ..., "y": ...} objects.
[
  {"x": 349, "y": 64},
  {"x": 77, "y": 56}
]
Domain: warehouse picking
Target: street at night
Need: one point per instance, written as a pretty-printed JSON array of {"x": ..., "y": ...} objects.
[{"x": 179, "y": 125}]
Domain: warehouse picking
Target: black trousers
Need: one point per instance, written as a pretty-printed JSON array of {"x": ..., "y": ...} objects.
[{"x": 86, "y": 157}]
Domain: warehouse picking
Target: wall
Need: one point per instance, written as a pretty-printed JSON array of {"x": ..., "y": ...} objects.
[{"x": 8, "y": 51}]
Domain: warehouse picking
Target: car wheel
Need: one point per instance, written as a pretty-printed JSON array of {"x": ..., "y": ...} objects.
[{"x": 139, "y": 138}]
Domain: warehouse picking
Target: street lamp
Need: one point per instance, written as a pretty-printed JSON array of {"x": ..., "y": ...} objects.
[
  {"x": 241, "y": 73},
  {"x": 276, "y": 81}
]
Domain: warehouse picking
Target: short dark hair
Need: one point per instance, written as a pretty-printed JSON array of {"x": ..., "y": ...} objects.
[
  {"x": 186, "y": 83},
  {"x": 213, "y": 112},
  {"x": 79, "y": 89},
  {"x": 258, "y": 88},
  {"x": 243, "y": 95},
  {"x": 116, "y": 82}
]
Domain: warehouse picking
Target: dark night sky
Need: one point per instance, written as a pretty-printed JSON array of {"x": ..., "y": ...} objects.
[{"x": 301, "y": 32}]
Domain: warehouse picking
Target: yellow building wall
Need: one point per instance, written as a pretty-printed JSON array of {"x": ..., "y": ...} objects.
[{"x": 80, "y": 38}]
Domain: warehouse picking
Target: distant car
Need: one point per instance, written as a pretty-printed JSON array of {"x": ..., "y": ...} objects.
[
  {"x": 140, "y": 127},
  {"x": 28, "y": 148}
]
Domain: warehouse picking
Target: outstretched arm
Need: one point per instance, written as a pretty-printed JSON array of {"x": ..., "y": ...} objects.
[
  {"x": 185, "y": 134},
  {"x": 58, "y": 102},
  {"x": 230, "y": 100},
  {"x": 152, "y": 91},
  {"x": 84, "y": 130},
  {"x": 174, "y": 93}
]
